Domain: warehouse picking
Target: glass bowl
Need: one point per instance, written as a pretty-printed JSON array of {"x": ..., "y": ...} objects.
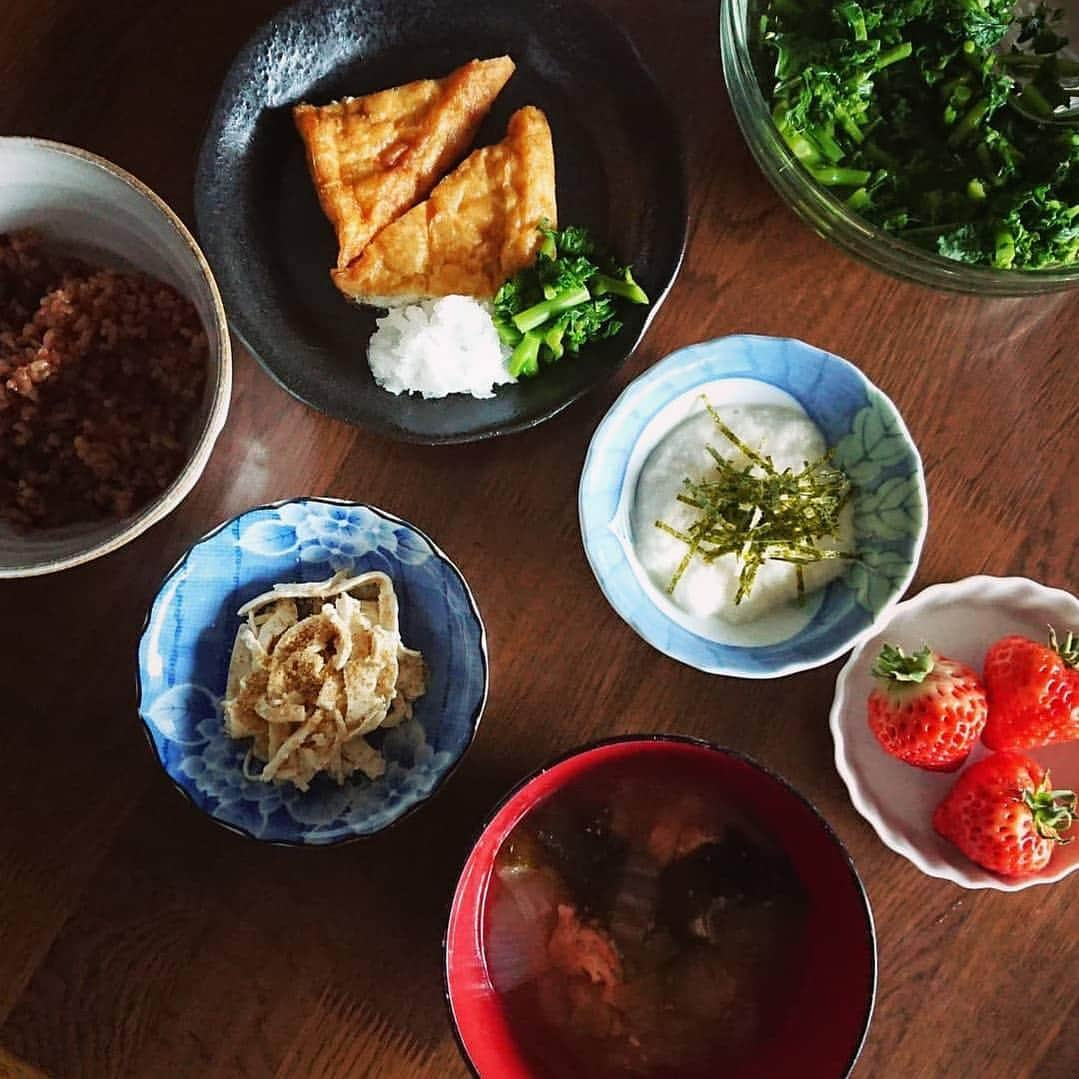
[{"x": 828, "y": 215}]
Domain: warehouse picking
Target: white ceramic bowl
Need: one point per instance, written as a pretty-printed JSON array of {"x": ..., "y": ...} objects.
[
  {"x": 86, "y": 206},
  {"x": 961, "y": 620}
]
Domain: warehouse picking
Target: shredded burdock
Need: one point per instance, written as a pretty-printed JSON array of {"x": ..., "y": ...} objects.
[
  {"x": 757, "y": 513},
  {"x": 314, "y": 670}
]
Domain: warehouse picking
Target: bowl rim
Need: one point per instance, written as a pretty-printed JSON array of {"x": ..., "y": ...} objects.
[
  {"x": 977, "y": 584},
  {"x": 654, "y": 373},
  {"x": 856, "y": 236},
  {"x": 242, "y": 326},
  {"x": 214, "y": 422},
  {"x": 337, "y": 840},
  {"x": 700, "y": 743}
]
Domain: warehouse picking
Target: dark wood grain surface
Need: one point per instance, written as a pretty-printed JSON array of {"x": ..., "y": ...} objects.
[{"x": 137, "y": 938}]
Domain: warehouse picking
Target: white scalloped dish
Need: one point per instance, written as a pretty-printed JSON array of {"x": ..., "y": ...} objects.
[{"x": 960, "y": 620}]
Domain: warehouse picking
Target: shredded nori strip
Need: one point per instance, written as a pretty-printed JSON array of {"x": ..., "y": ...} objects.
[{"x": 758, "y": 513}]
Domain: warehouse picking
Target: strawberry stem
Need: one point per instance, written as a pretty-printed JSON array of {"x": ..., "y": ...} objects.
[
  {"x": 1053, "y": 811},
  {"x": 893, "y": 664},
  {"x": 1068, "y": 651}
]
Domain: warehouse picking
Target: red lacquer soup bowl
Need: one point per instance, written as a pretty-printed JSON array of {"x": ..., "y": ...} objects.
[{"x": 812, "y": 989}]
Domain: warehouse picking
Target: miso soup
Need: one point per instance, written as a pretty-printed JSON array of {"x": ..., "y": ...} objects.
[{"x": 641, "y": 925}]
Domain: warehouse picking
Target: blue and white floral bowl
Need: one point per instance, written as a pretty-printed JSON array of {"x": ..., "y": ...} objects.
[
  {"x": 870, "y": 443},
  {"x": 187, "y": 641}
]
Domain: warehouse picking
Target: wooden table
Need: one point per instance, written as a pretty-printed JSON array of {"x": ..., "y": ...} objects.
[{"x": 137, "y": 938}]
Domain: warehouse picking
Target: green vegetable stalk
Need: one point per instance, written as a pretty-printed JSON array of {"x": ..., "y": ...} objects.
[
  {"x": 539, "y": 313},
  {"x": 564, "y": 301},
  {"x": 602, "y": 285},
  {"x": 524, "y": 359}
]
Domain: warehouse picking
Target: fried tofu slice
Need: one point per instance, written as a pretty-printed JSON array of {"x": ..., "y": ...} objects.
[
  {"x": 374, "y": 157},
  {"x": 477, "y": 229}
]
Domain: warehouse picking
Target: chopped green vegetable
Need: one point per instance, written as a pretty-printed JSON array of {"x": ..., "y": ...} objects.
[
  {"x": 525, "y": 357},
  {"x": 623, "y": 286},
  {"x": 758, "y": 513},
  {"x": 563, "y": 301},
  {"x": 553, "y": 339},
  {"x": 539, "y": 313},
  {"x": 916, "y": 114}
]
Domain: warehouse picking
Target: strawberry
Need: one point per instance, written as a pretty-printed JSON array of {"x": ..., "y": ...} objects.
[
  {"x": 1003, "y": 814},
  {"x": 1033, "y": 692},
  {"x": 928, "y": 710}
]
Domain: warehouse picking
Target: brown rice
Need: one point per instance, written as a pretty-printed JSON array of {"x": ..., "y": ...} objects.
[{"x": 100, "y": 375}]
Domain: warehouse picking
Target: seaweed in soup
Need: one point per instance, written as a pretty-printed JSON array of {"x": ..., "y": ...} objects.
[{"x": 640, "y": 926}]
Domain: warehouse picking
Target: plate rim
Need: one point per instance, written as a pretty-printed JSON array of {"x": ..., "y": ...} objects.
[
  {"x": 957, "y": 589},
  {"x": 241, "y": 326},
  {"x": 323, "y": 839}
]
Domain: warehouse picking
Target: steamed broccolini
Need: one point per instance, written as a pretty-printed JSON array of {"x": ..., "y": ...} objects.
[
  {"x": 905, "y": 108},
  {"x": 563, "y": 301}
]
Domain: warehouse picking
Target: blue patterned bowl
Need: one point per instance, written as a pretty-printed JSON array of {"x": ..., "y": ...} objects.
[
  {"x": 870, "y": 443},
  {"x": 187, "y": 641}
]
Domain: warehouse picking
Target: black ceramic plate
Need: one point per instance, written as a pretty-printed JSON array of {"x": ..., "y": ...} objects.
[{"x": 619, "y": 166}]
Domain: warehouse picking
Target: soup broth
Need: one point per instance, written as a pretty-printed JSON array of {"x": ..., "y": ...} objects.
[{"x": 643, "y": 925}]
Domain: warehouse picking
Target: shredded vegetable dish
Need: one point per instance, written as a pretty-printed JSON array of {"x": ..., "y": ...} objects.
[{"x": 315, "y": 669}]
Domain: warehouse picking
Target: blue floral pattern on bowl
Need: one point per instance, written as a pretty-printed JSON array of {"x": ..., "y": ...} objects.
[
  {"x": 870, "y": 443},
  {"x": 186, "y": 644}
]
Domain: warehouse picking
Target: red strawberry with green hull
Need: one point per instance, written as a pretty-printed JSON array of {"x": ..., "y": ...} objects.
[
  {"x": 1033, "y": 692},
  {"x": 1003, "y": 814},
  {"x": 927, "y": 710}
]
